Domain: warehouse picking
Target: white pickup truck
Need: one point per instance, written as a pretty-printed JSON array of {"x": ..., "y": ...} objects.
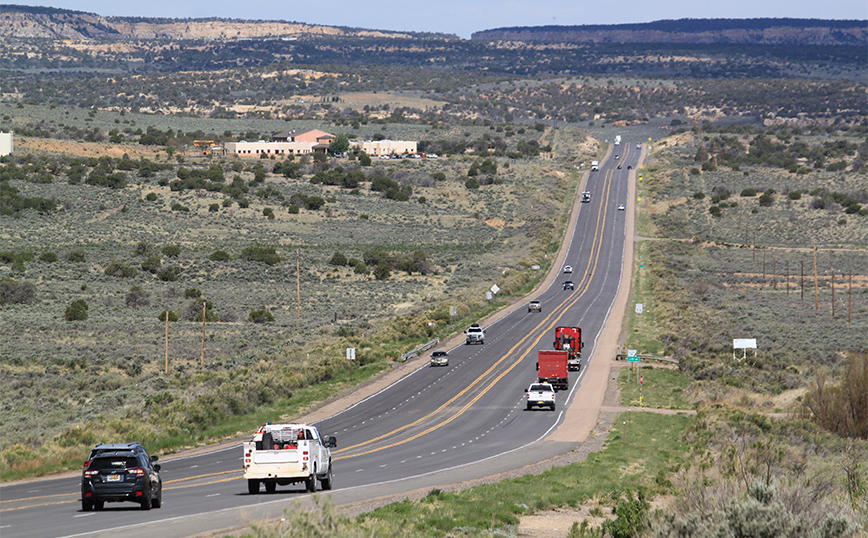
[
  {"x": 540, "y": 395},
  {"x": 287, "y": 454},
  {"x": 475, "y": 334}
]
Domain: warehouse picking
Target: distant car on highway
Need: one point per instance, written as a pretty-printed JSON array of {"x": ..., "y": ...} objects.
[
  {"x": 534, "y": 306},
  {"x": 621, "y": 207},
  {"x": 440, "y": 358},
  {"x": 568, "y": 269},
  {"x": 568, "y": 285}
]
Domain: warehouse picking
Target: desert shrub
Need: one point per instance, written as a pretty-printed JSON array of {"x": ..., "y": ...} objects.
[
  {"x": 698, "y": 195},
  {"x": 76, "y": 256},
  {"x": 192, "y": 293},
  {"x": 471, "y": 183},
  {"x": 144, "y": 248},
  {"x": 268, "y": 213},
  {"x": 137, "y": 297},
  {"x": 694, "y": 171},
  {"x": 314, "y": 202},
  {"x": 12, "y": 292},
  {"x": 120, "y": 270},
  {"x": 266, "y": 255},
  {"x": 631, "y": 516},
  {"x": 338, "y": 259},
  {"x": 178, "y": 206},
  {"x": 214, "y": 208},
  {"x": 842, "y": 409},
  {"x": 151, "y": 197},
  {"x": 152, "y": 264},
  {"x": 171, "y": 251},
  {"x": 77, "y": 311},
  {"x": 48, "y": 257},
  {"x": 715, "y": 211},
  {"x": 746, "y": 193},
  {"x": 382, "y": 272},
  {"x": 172, "y": 316},
  {"x": 260, "y": 316},
  {"x": 220, "y": 256},
  {"x": 168, "y": 274},
  {"x": 795, "y": 195},
  {"x": 360, "y": 268},
  {"x": 194, "y": 311},
  {"x": 766, "y": 200},
  {"x": 292, "y": 209}
]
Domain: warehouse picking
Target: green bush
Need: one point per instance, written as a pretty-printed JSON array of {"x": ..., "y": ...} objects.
[
  {"x": 213, "y": 208},
  {"x": 192, "y": 293},
  {"x": 698, "y": 195},
  {"x": 178, "y": 206},
  {"x": 12, "y": 292},
  {"x": 49, "y": 257},
  {"x": 220, "y": 256},
  {"x": 292, "y": 209},
  {"x": 76, "y": 256},
  {"x": 766, "y": 200},
  {"x": 260, "y": 316},
  {"x": 338, "y": 259},
  {"x": 382, "y": 272},
  {"x": 172, "y": 316},
  {"x": 171, "y": 251},
  {"x": 77, "y": 311},
  {"x": 360, "y": 268},
  {"x": 151, "y": 197},
  {"x": 168, "y": 274},
  {"x": 266, "y": 255},
  {"x": 120, "y": 270},
  {"x": 137, "y": 297},
  {"x": 471, "y": 183},
  {"x": 152, "y": 264}
]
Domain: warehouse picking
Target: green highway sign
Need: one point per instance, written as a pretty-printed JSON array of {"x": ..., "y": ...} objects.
[{"x": 632, "y": 355}]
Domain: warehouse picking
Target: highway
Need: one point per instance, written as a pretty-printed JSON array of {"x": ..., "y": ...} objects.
[{"x": 433, "y": 427}]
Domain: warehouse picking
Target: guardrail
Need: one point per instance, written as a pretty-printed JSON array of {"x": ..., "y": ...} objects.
[
  {"x": 424, "y": 347},
  {"x": 623, "y": 357}
]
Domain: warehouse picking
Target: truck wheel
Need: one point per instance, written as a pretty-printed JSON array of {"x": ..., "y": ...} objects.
[
  {"x": 158, "y": 502},
  {"x": 270, "y": 486},
  {"x": 529, "y": 407},
  {"x": 326, "y": 481},
  {"x": 253, "y": 486},
  {"x": 86, "y": 506},
  {"x": 310, "y": 483},
  {"x": 146, "y": 502},
  {"x": 553, "y": 407},
  {"x": 267, "y": 441}
]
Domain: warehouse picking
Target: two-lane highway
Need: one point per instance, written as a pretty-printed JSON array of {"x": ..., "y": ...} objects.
[{"x": 435, "y": 426}]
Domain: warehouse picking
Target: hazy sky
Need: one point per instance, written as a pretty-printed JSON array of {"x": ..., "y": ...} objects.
[{"x": 462, "y": 17}]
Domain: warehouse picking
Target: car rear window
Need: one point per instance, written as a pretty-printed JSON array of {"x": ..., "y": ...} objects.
[
  {"x": 541, "y": 387},
  {"x": 103, "y": 464}
]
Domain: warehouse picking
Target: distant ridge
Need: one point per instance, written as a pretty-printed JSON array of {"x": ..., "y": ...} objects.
[
  {"x": 699, "y": 31},
  {"x": 53, "y": 23}
]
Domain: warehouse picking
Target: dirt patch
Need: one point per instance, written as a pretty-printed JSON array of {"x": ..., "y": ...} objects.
[{"x": 84, "y": 149}]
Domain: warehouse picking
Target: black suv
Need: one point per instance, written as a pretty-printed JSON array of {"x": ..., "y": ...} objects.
[
  {"x": 115, "y": 447},
  {"x": 118, "y": 476}
]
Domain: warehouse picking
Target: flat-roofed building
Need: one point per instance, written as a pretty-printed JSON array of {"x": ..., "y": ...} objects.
[
  {"x": 5, "y": 144},
  {"x": 269, "y": 148},
  {"x": 386, "y": 147}
]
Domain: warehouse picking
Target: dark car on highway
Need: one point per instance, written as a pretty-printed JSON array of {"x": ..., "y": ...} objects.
[{"x": 120, "y": 476}]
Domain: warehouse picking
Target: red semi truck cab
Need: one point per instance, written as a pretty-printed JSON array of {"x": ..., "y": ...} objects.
[
  {"x": 552, "y": 368},
  {"x": 569, "y": 339}
]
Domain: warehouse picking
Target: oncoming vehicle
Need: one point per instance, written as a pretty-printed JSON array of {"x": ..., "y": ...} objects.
[
  {"x": 568, "y": 285},
  {"x": 474, "y": 335},
  {"x": 534, "y": 306},
  {"x": 119, "y": 476},
  {"x": 621, "y": 207},
  {"x": 440, "y": 358}
]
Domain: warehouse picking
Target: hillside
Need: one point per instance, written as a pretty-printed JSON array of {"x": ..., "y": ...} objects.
[
  {"x": 51, "y": 23},
  {"x": 700, "y": 31}
]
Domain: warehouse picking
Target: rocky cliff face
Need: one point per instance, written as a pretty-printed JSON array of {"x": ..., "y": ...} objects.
[
  {"x": 774, "y": 33},
  {"x": 51, "y": 23}
]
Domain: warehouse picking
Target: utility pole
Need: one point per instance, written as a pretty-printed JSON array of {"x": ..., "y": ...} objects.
[
  {"x": 298, "y": 280},
  {"x": 816, "y": 285},
  {"x": 167, "y": 341},
  {"x": 202, "y": 358}
]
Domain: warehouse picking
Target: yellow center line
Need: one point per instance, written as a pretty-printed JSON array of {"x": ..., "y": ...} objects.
[{"x": 563, "y": 307}]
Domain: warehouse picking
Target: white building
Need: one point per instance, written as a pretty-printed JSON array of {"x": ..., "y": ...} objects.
[
  {"x": 5, "y": 144},
  {"x": 386, "y": 147},
  {"x": 269, "y": 148}
]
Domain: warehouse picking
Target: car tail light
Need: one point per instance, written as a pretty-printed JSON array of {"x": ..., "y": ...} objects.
[
  {"x": 138, "y": 471},
  {"x": 86, "y": 464},
  {"x": 91, "y": 473}
]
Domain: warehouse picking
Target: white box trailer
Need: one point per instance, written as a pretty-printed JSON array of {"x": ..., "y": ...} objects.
[{"x": 283, "y": 454}]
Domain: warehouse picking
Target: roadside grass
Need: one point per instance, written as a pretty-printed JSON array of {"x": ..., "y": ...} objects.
[
  {"x": 643, "y": 333},
  {"x": 662, "y": 388},
  {"x": 652, "y": 449}
]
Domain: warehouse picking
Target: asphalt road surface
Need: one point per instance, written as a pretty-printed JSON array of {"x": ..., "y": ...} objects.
[{"x": 432, "y": 427}]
